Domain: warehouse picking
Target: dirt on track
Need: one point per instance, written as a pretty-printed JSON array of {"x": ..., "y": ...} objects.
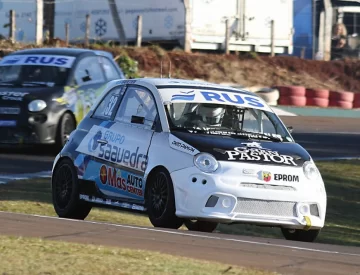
[{"x": 245, "y": 69}]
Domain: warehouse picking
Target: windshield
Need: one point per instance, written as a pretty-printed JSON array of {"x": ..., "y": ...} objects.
[
  {"x": 38, "y": 70},
  {"x": 226, "y": 120}
]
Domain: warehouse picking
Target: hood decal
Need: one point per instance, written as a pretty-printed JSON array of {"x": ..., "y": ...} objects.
[
  {"x": 182, "y": 146},
  {"x": 253, "y": 151},
  {"x": 238, "y": 149}
]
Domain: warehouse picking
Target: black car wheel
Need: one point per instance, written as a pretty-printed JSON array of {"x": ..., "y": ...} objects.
[
  {"x": 300, "y": 235},
  {"x": 202, "y": 226},
  {"x": 65, "y": 192},
  {"x": 160, "y": 201},
  {"x": 66, "y": 126}
]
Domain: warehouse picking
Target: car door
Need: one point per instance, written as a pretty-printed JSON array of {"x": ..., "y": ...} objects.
[
  {"x": 91, "y": 135},
  {"x": 127, "y": 144},
  {"x": 88, "y": 79}
]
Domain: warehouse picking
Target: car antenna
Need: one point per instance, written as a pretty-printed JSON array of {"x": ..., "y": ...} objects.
[
  {"x": 169, "y": 68},
  {"x": 161, "y": 68}
]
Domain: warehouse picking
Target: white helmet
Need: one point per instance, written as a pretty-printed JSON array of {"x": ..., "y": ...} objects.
[{"x": 212, "y": 114}]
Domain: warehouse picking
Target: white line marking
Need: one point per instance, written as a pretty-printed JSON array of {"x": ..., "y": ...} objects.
[{"x": 190, "y": 235}]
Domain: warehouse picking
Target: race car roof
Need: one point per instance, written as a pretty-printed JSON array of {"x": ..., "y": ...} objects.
[{"x": 75, "y": 52}]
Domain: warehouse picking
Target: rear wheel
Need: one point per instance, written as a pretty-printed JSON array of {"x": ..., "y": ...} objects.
[
  {"x": 202, "y": 226},
  {"x": 66, "y": 126},
  {"x": 160, "y": 201},
  {"x": 65, "y": 192},
  {"x": 300, "y": 235}
]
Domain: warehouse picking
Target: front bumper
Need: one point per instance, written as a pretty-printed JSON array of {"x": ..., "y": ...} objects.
[
  {"x": 30, "y": 129},
  {"x": 231, "y": 196}
]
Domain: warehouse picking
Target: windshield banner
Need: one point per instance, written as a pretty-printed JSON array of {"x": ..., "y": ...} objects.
[
  {"x": 38, "y": 59},
  {"x": 175, "y": 95}
]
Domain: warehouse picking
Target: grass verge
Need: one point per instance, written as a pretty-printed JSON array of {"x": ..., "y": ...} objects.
[
  {"x": 342, "y": 181},
  {"x": 21, "y": 256}
]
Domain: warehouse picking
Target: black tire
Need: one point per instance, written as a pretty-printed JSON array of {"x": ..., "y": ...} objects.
[
  {"x": 66, "y": 125},
  {"x": 65, "y": 192},
  {"x": 300, "y": 235},
  {"x": 202, "y": 226},
  {"x": 160, "y": 201}
]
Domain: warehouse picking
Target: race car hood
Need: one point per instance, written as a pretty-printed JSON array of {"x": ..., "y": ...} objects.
[
  {"x": 225, "y": 148},
  {"x": 18, "y": 95}
]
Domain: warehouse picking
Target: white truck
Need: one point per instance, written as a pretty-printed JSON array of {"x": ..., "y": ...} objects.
[{"x": 165, "y": 20}]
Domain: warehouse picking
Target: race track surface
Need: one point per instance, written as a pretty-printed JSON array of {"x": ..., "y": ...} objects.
[
  {"x": 282, "y": 256},
  {"x": 321, "y": 136}
]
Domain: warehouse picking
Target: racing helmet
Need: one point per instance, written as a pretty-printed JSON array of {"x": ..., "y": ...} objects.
[{"x": 211, "y": 114}]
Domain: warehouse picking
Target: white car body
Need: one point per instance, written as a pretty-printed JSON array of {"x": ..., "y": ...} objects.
[{"x": 253, "y": 183}]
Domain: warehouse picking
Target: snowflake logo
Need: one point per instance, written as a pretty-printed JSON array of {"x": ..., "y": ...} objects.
[
  {"x": 168, "y": 22},
  {"x": 268, "y": 22},
  {"x": 100, "y": 27},
  {"x": 83, "y": 26}
]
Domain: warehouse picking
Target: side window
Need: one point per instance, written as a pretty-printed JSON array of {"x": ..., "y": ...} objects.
[
  {"x": 106, "y": 108},
  {"x": 88, "y": 71},
  {"x": 110, "y": 70},
  {"x": 137, "y": 102},
  {"x": 252, "y": 120}
]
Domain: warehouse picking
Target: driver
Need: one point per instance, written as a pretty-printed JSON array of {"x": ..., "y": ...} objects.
[{"x": 211, "y": 114}]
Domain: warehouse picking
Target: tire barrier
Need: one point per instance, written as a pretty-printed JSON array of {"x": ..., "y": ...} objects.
[
  {"x": 317, "y": 93},
  {"x": 292, "y": 95},
  {"x": 356, "y": 103},
  {"x": 270, "y": 95},
  {"x": 341, "y": 96},
  {"x": 341, "y": 99},
  {"x": 317, "y": 97},
  {"x": 317, "y": 101}
]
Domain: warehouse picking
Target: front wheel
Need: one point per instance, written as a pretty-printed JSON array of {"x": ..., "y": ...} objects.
[
  {"x": 202, "y": 226},
  {"x": 66, "y": 126},
  {"x": 160, "y": 201},
  {"x": 65, "y": 192},
  {"x": 300, "y": 235}
]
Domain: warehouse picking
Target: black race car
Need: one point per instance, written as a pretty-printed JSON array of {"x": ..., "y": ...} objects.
[{"x": 44, "y": 93}]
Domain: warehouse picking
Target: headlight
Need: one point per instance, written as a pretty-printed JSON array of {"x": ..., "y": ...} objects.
[
  {"x": 311, "y": 171},
  {"x": 206, "y": 162},
  {"x": 37, "y": 105}
]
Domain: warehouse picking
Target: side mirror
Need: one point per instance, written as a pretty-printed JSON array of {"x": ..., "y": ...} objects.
[
  {"x": 290, "y": 129},
  {"x": 137, "y": 119}
]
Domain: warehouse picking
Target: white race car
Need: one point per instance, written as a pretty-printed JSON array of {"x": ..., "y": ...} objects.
[{"x": 192, "y": 153}]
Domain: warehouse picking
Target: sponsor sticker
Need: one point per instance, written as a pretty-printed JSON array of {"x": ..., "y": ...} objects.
[
  {"x": 16, "y": 96},
  {"x": 121, "y": 180},
  {"x": 182, "y": 146},
  {"x": 254, "y": 152},
  {"x": 110, "y": 145},
  {"x": 38, "y": 59},
  {"x": 286, "y": 177},
  {"x": 217, "y": 97}
]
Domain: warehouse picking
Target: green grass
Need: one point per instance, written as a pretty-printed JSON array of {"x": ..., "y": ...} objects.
[
  {"x": 342, "y": 181},
  {"x": 21, "y": 256}
]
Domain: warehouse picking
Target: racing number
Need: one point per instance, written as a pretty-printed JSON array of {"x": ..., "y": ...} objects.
[{"x": 110, "y": 107}]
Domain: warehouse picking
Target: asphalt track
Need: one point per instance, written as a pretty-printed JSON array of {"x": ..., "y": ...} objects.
[
  {"x": 281, "y": 256},
  {"x": 322, "y": 137}
]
